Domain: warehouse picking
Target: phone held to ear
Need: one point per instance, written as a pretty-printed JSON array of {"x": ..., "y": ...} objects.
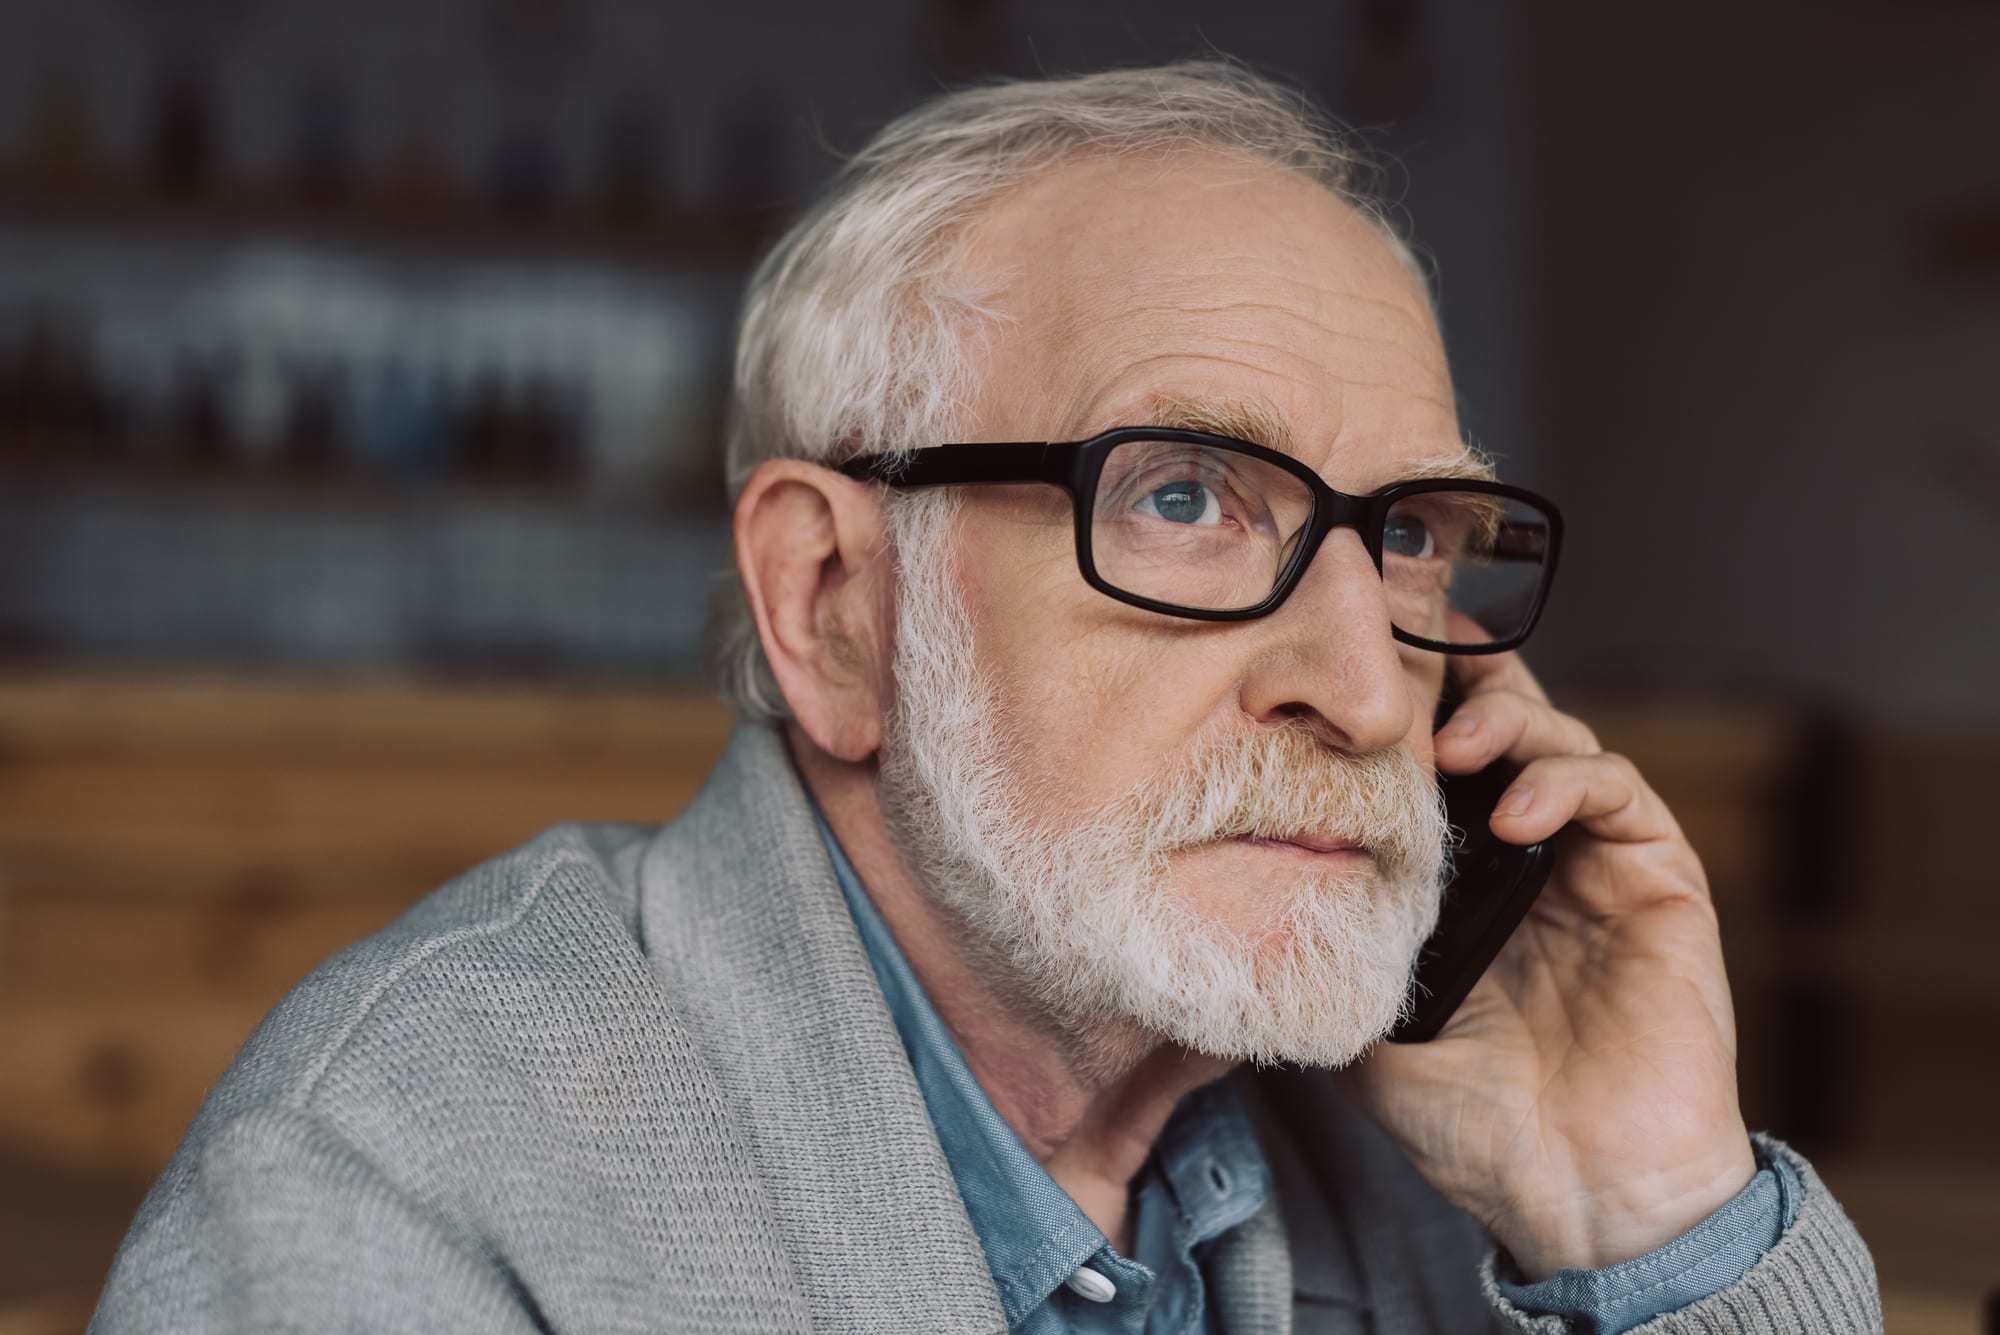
[{"x": 1493, "y": 885}]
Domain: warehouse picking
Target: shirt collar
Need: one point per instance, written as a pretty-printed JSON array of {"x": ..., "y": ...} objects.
[
  {"x": 1209, "y": 1152},
  {"x": 1034, "y": 1235}
]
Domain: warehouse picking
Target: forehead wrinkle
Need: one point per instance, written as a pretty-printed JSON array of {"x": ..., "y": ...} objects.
[
  {"x": 1090, "y": 405},
  {"x": 1278, "y": 361},
  {"x": 1327, "y": 310},
  {"x": 1108, "y": 332},
  {"x": 1322, "y": 301},
  {"x": 1297, "y": 293},
  {"x": 1086, "y": 335}
]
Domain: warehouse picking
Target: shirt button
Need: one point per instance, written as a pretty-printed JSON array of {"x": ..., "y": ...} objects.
[{"x": 1087, "y": 1283}]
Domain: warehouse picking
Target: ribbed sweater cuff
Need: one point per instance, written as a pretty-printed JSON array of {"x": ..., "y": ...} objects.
[{"x": 1819, "y": 1277}]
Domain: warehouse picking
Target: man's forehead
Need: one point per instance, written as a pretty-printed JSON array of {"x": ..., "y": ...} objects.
[
  {"x": 1268, "y": 311},
  {"x": 1168, "y": 228}
]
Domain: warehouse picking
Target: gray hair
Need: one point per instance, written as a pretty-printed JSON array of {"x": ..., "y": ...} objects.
[{"x": 855, "y": 326}]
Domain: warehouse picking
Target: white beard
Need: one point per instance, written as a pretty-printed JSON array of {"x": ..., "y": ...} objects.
[{"x": 1075, "y": 926}]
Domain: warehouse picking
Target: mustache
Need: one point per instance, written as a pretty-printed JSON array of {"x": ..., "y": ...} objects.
[{"x": 1282, "y": 782}]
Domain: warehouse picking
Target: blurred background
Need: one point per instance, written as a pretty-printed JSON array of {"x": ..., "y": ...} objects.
[{"x": 360, "y": 375}]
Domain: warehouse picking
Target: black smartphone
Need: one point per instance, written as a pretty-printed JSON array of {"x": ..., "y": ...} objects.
[{"x": 1493, "y": 885}]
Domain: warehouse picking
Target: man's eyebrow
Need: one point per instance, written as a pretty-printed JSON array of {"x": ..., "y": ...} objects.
[
  {"x": 1468, "y": 465},
  {"x": 1246, "y": 419},
  {"x": 1241, "y": 419}
]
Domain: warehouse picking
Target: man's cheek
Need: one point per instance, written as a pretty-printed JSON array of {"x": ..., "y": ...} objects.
[
  {"x": 1422, "y": 740},
  {"x": 1423, "y": 746}
]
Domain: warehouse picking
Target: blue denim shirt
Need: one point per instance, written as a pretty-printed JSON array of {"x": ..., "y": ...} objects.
[
  {"x": 1206, "y": 1175},
  {"x": 1706, "y": 1259}
]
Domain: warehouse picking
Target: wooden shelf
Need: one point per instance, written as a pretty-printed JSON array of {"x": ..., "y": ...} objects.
[{"x": 132, "y": 714}]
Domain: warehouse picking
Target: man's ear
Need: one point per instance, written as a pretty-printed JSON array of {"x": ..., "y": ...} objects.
[{"x": 813, "y": 555}]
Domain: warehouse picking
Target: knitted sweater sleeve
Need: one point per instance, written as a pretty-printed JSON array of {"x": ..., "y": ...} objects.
[
  {"x": 274, "y": 1222},
  {"x": 1819, "y": 1277}
]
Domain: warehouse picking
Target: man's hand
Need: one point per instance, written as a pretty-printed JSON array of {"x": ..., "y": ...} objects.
[{"x": 1582, "y": 1102}]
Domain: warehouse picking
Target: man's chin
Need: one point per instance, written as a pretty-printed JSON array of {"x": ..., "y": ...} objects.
[
  {"x": 1322, "y": 1050},
  {"x": 1316, "y": 992}
]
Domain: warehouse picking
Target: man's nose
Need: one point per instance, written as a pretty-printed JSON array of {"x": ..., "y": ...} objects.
[{"x": 1328, "y": 656}]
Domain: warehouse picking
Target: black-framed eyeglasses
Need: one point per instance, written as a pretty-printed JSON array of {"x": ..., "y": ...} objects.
[{"x": 1203, "y": 526}]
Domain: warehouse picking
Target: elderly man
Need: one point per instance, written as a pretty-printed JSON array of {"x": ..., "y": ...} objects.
[{"x": 1081, "y": 826}]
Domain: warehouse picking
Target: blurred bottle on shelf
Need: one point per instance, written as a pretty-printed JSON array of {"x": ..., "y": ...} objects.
[
  {"x": 555, "y": 428},
  {"x": 62, "y": 149},
  {"x": 313, "y": 427},
  {"x": 687, "y": 438},
  {"x": 526, "y": 50},
  {"x": 200, "y": 437},
  {"x": 401, "y": 422},
  {"x": 183, "y": 148},
  {"x": 419, "y": 177},
  {"x": 258, "y": 407},
  {"x": 514, "y": 431},
  {"x": 322, "y": 151},
  {"x": 522, "y": 181},
  {"x": 53, "y": 406},
  {"x": 628, "y": 188},
  {"x": 138, "y": 369}
]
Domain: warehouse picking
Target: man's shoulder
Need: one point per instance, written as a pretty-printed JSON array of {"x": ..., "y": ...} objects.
[
  {"x": 502, "y": 1083},
  {"x": 530, "y": 934}
]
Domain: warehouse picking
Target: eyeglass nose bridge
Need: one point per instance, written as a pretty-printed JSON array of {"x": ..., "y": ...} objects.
[{"x": 1334, "y": 510}]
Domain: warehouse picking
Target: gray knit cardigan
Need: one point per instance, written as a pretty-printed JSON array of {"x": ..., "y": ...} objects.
[{"x": 629, "y": 1079}]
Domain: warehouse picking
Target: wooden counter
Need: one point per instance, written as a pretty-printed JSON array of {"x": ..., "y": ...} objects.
[{"x": 175, "y": 853}]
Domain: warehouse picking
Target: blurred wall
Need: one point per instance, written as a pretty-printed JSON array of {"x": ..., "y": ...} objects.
[{"x": 1768, "y": 252}]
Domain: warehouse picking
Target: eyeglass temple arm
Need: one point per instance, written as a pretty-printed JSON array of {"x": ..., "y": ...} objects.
[{"x": 949, "y": 465}]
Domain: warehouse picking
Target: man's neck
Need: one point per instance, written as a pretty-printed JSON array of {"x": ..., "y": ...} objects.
[{"x": 1090, "y": 1123}]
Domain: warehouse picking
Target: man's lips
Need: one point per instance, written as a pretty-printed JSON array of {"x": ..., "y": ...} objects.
[{"x": 1311, "y": 845}]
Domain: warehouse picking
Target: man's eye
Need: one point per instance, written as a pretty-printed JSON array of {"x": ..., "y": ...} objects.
[
  {"x": 1408, "y": 536},
  {"x": 1188, "y": 502}
]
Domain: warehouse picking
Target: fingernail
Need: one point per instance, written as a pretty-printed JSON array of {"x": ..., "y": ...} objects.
[
  {"x": 1462, "y": 725},
  {"x": 1517, "y": 801}
]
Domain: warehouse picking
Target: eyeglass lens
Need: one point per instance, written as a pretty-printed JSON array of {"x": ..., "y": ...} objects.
[{"x": 1210, "y": 529}]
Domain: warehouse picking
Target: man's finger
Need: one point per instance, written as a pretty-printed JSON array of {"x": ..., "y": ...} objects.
[
  {"x": 1499, "y": 722},
  {"x": 1603, "y": 795},
  {"x": 1485, "y": 672}
]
